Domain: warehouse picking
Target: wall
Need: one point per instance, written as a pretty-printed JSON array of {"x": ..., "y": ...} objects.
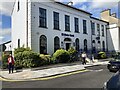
[
  {"x": 19, "y": 24},
  {"x": 50, "y": 33}
]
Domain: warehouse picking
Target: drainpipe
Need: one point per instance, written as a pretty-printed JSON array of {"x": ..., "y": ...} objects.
[{"x": 27, "y": 23}]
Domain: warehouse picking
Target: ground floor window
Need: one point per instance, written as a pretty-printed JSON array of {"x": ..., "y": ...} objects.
[
  {"x": 77, "y": 44},
  {"x": 85, "y": 45},
  {"x": 43, "y": 44},
  {"x": 56, "y": 43},
  {"x": 93, "y": 47},
  {"x": 103, "y": 43}
]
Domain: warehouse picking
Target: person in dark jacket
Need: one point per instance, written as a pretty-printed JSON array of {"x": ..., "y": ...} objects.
[{"x": 10, "y": 63}]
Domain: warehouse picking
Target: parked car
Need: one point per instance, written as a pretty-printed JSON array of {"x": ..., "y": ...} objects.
[
  {"x": 113, "y": 83},
  {"x": 114, "y": 64}
]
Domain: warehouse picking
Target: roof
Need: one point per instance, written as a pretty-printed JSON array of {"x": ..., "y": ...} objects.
[
  {"x": 74, "y": 8},
  {"x": 5, "y": 42},
  {"x": 98, "y": 19}
]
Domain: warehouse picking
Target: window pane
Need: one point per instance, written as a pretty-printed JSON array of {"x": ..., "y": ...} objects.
[
  {"x": 43, "y": 45},
  {"x": 42, "y": 17},
  {"x": 56, "y": 20},
  {"x": 84, "y": 27},
  {"x": 67, "y": 23}
]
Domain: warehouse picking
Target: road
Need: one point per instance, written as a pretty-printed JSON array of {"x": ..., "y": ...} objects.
[{"x": 93, "y": 78}]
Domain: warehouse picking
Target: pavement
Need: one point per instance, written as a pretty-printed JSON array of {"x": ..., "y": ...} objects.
[{"x": 45, "y": 72}]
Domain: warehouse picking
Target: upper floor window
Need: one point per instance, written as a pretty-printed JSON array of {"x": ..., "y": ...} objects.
[
  {"x": 56, "y": 20},
  {"x": 84, "y": 27},
  {"x": 76, "y": 21},
  {"x": 18, "y": 6},
  {"x": 102, "y": 30},
  {"x": 67, "y": 23},
  {"x": 93, "y": 28},
  {"x": 42, "y": 18},
  {"x": 98, "y": 29}
]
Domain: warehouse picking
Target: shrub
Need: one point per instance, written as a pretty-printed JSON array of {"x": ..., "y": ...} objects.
[
  {"x": 21, "y": 49},
  {"x": 101, "y": 55},
  {"x": 61, "y": 56},
  {"x": 24, "y": 57},
  {"x": 45, "y": 59},
  {"x": 4, "y": 60},
  {"x": 73, "y": 54}
]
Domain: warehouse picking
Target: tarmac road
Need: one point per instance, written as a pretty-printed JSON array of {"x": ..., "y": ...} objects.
[{"x": 93, "y": 78}]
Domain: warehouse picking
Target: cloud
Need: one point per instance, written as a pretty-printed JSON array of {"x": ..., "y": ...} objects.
[
  {"x": 6, "y": 7},
  {"x": 104, "y": 4},
  {"x": 5, "y": 32},
  {"x": 0, "y": 23}
]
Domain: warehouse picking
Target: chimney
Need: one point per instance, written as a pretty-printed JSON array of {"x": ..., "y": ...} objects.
[
  {"x": 70, "y": 3},
  {"x": 105, "y": 14},
  {"x": 113, "y": 15}
]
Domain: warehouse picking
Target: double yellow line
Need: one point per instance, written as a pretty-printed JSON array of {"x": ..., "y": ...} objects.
[{"x": 46, "y": 78}]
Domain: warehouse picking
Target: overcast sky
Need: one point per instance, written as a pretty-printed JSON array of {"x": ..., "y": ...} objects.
[{"x": 92, "y": 6}]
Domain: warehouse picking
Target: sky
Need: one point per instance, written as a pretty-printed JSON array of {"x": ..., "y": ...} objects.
[{"x": 92, "y": 6}]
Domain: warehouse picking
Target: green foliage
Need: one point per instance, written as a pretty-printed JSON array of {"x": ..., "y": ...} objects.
[
  {"x": 45, "y": 59},
  {"x": 61, "y": 56},
  {"x": 4, "y": 60},
  {"x": 26, "y": 58},
  {"x": 21, "y": 49},
  {"x": 73, "y": 54},
  {"x": 101, "y": 55},
  {"x": 18, "y": 64},
  {"x": 2, "y": 47}
]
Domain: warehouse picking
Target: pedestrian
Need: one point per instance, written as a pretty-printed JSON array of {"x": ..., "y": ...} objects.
[
  {"x": 84, "y": 58},
  {"x": 10, "y": 63},
  {"x": 92, "y": 58}
]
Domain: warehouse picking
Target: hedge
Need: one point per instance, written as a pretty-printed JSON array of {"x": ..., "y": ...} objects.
[{"x": 61, "y": 56}]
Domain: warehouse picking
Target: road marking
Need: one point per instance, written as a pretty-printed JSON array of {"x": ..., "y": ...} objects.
[
  {"x": 97, "y": 70},
  {"x": 46, "y": 78}
]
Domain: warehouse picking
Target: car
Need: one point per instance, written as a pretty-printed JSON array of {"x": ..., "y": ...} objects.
[
  {"x": 113, "y": 83},
  {"x": 114, "y": 64}
]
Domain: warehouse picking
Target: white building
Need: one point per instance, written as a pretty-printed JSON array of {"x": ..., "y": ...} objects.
[
  {"x": 113, "y": 32},
  {"x": 47, "y": 26}
]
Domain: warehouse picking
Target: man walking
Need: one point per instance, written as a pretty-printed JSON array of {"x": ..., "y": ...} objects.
[
  {"x": 10, "y": 63},
  {"x": 84, "y": 58}
]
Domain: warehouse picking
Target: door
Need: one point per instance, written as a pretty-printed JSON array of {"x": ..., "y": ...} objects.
[{"x": 67, "y": 46}]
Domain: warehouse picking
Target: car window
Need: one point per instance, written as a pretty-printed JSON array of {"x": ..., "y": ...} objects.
[{"x": 117, "y": 57}]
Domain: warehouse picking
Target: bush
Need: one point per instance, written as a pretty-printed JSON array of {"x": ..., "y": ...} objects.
[
  {"x": 61, "y": 56},
  {"x": 73, "y": 54},
  {"x": 24, "y": 57},
  {"x": 21, "y": 49},
  {"x": 101, "y": 55},
  {"x": 45, "y": 59},
  {"x": 4, "y": 61}
]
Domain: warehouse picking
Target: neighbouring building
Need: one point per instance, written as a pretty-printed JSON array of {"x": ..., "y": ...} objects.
[
  {"x": 113, "y": 31},
  {"x": 6, "y": 47},
  {"x": 48, "y": 26}
]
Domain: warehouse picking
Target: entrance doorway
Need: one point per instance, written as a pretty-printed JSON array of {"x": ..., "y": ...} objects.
[{"x": 68, "y": 45}]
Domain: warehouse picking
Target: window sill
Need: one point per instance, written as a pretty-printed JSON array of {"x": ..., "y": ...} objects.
[
  {"x": 85, "y": 33},
  {"x": 43, "y": 27},
  {"x": 57, "y": 29},
  {"x": 76, "y": 32},
  {"x": 67, "y": 31}
]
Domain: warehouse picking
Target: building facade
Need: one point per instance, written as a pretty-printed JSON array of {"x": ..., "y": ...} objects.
[
  {"x": 48, "y": 26},
  {"x": 113, "y": 31}
]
